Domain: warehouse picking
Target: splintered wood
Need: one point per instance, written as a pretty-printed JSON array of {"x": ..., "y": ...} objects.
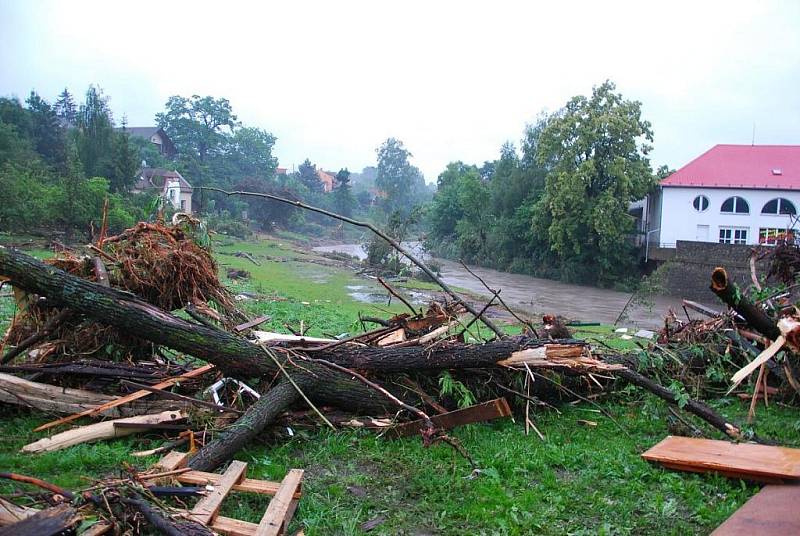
[
  {"x": 572, "y": 356},
  {"x": 759, "y": 463},
  {"x": 278, "y": 515}
]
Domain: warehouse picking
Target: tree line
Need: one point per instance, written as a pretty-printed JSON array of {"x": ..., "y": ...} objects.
[
  {"x": 60, "y": 160},
  {"x": 558, "y": 207}
]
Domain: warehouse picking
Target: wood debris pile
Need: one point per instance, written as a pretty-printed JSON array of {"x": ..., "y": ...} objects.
[{"x": 211, "y": 383}]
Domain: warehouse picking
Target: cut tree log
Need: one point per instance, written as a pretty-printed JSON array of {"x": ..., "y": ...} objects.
[{"x": 98, "y": 431}]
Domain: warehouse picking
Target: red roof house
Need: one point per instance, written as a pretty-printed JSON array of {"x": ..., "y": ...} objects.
[{"x": 732, "y": 194}]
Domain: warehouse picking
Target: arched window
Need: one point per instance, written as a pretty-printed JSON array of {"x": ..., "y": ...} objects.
[
  {"x": 779, "y": 206},
  {"x": 735, "y": 205},
  {"x": 700, "y": 203}
]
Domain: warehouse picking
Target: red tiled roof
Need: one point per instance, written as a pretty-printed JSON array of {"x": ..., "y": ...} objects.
[{"x": 768, "y": 167}]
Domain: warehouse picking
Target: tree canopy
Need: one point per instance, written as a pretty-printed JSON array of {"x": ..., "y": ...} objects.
[{"x": 560, "y": 209}]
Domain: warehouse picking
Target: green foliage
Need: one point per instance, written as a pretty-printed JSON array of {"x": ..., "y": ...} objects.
[
  {"x": 561, "y": 208},
  {"x": 595, "y": 149},
  {"x": 449, "y": 386},
  {"x": 307, "y": 173},
  {"x": 679, "y": 391},
  {"x": 401, "y": 183},
  {"x": 343, "y": 200},
  {"x": 223, "y": 223},
  {"x": 95, "y": 134}
]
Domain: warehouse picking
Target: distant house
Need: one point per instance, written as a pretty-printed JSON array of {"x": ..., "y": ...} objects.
[
  {"x": 327, "y": 180},
  {"x": 156, "y": 136},
  {"x": 168, "y": 184},
  {"x": 281, "y": 171},
  {"x": 731, "y": 194}
]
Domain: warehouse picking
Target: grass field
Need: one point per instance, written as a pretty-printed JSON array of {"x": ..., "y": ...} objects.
[{"x": 579, "y": 480}]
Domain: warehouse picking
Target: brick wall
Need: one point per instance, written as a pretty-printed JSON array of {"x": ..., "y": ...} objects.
[{"x": 688, "y": 274}]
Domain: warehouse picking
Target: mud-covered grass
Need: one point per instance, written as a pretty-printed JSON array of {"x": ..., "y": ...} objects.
[{"x": 580, "y": 479}]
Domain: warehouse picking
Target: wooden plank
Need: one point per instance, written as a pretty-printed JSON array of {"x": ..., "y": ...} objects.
[
  {"x": 753, "y": 462},
  {"x": 274, "y": 521},
  {"x": 47, "y": 522},
  {"x": 249, "y": 485},
  {"x": 487, "y": 411},
  {"x": 173, "y": 460},
  {"x": 10, "y": 513},
  {"x": 206, "y": 509},
  {"x": 125, "y": 399},
  {"x": 729, "y": 474},
  {"x": 98, "y": 431},
  {"x": 700, "y": 308},
  {"x": 233, "y": 527},
  {"x": 770, "y": 512}
]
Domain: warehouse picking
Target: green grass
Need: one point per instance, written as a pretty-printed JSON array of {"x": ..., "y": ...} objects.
[{"x": 579, "y": 480}]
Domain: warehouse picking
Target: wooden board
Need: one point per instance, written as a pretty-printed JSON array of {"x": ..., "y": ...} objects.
[
  {"x": 275, "y": 518},
  {"x": 249, "y": 485},
  {"x": 770, "y": 512},
  {"x": 126, "y": 399},
  {"x": 100, "y": 430},
  {"x": 493, "y": 409},
  {"x": 743, "y": 460},
  {"x": 206, "y": 509}
]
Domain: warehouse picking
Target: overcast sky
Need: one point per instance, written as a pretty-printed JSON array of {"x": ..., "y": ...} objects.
[{"x": 453, "y": 80}]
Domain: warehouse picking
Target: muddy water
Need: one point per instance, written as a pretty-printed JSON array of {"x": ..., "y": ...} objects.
[{"x": 538, "y": 296}]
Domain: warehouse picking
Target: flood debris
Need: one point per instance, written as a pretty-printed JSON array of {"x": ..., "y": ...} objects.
[
  {"x": 216, "y": 372},
  {"x": 122, "y": 504}
]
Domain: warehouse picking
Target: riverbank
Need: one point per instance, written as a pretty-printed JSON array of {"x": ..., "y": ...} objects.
[{"x": 535, "y": 296}]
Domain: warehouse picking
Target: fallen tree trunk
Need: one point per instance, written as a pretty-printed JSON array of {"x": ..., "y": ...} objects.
[{"x": 238, "y": 357}]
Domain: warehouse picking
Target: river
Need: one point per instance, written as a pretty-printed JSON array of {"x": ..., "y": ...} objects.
[{"x": 536, "y": 296}]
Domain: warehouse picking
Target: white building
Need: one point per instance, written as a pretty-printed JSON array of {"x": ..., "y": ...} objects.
[{"x": 733, "y": 194}]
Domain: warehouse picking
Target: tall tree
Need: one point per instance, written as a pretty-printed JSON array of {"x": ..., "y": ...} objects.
[
  {"x": 125, "y": 161},
  {"x": 250, "y": 153},
  {"x": 342, "y": 195},
  {"x": 65, "y": 108},
  {"x": 46, "y": 132},
  {"x": 95, "y": 134},
  {"x": 307, "y": 173},
  {"x": 596, "y": 151},
  {"x": 401, "y": 183},
  {"x": 198, "y": 125}
]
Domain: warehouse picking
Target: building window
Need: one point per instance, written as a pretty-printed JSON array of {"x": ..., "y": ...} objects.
[
  {"x": 732, "y": 235},
  {"x": 183, "y": 205},
  {"x": 779, "y": 206},
  {"x": 735, "y": 205},
  {"x": 700, "y": 203},
  {"x": 771, "y": 235}
]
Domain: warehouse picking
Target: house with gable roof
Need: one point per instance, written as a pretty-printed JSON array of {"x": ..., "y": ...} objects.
[
  {"x": 168, "y": 184},
  {"x": 731, "y": 194}
]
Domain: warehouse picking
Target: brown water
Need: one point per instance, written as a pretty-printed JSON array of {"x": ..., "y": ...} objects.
[{"x": 536, "y": 296}]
